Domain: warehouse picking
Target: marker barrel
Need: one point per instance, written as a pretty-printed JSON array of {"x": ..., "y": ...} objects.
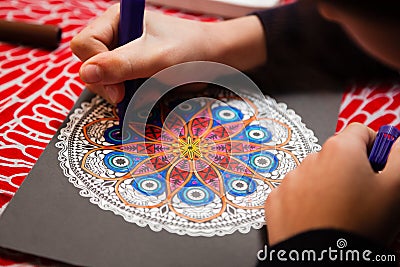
[
  {"x": 35, "y": 35},
  {"x": 130, "y": 28},
  {"x": 385, "y": 138}
]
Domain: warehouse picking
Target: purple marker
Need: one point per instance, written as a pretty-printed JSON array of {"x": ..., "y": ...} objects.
[
  {"x": 130, "y": 28},
  {"x": 385, "y": 138}
]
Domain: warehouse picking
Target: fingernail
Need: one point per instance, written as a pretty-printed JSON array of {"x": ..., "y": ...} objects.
[
  {"x": 91, "y": 73},
  {"x": 112, "y": 93}
]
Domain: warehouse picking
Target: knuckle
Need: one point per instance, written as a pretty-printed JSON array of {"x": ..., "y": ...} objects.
[
  {"x": 356, "y": 125},
  {"x": 271, "y": 197},
  {"x": 309, "y": 159},
  {"x": 110, "y": 66},
  {"x": 96, "y": 89},
  {"x": 77, "y": 44},
  {"x": 332, "y": 143},
  {"x": 359, "y": 129},
  {"x": 80, "y": 47}
]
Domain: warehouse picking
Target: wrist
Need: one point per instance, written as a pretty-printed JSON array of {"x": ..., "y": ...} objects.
[{"x": 239, "y": 43}]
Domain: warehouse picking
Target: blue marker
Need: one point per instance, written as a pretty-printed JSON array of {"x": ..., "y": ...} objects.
[
  {"x": 385, "y": 138},
  {"x": 130, "y": 28}
]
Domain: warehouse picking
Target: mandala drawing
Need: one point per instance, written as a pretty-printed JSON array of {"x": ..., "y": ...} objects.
[{"x": 200, "y": 167}]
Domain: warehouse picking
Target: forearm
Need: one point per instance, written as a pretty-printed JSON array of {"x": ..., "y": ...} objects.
[{"x": 239, "y": 43}]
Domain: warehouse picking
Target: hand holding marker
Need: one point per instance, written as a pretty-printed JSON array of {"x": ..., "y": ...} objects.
[{"x": 131, "y": 28}]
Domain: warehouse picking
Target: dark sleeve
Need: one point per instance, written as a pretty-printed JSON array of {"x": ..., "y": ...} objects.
[
  {"x": 304, "y": 46},
  {"x": 327, "y": 247}
]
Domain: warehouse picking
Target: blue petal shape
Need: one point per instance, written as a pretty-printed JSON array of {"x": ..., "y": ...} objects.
[
  {"x": 113, "y": 135},
  {"x": 149, "y": 185},
  {"x": 226, "y": 114},
  {"x": 119, "y": 161},
  {"x": 195, "y": 193},
  {"x": 239, "y": 185},
  {"x": 258, "y": 134},
  {"x": 263, "y": 161}
]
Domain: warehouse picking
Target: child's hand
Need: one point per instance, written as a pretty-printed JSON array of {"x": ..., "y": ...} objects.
[
  {"x": 337, "y": 188},
  {"x": 166, "y": 41}
]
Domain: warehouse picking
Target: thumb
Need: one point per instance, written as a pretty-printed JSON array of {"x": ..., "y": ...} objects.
[
  {"x": 124, "y": 63},
  {"x": 392, "y": 168}
]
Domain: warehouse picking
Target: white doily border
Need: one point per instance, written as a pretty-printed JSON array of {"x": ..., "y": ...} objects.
[{"x": 75, "y": 117}]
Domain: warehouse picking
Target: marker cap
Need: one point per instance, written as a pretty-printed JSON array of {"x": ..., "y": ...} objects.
[
  {"x": 35, "y": 35},
  {"x": 385, "y": 138}
]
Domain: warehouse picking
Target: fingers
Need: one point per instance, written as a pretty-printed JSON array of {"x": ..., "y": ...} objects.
[
  {"x": 351, "y": 143},
  {"x": 113, "y": 93},
  {"x": 392, "y": 168},
  {"x": 358, "y": 134},
  {"x": 99, "y": 36},
  {"x": 142, "y": 57},
  {"x": 131, "y": 61},
  {"x": 111, "y": 67}
]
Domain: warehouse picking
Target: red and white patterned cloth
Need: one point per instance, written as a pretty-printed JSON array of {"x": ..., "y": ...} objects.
[
  {"x": 38, "y": 88},
  {"x": 374, "y": 105}
]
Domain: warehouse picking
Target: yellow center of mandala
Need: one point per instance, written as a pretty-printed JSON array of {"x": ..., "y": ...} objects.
[{"x": 190, "y": 148}]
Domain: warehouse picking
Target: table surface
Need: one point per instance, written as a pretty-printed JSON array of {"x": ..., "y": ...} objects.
[{"x": 38, "y": 88}]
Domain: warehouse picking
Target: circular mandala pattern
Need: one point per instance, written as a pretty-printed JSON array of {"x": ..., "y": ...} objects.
[{"x": 193, "y": 171}]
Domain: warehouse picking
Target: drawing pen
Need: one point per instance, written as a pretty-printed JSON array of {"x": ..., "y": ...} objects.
[
  {"x": 130, "y": 28},
  {"x": 385, "y": 138},
  {"x": 35, "y": 35}
]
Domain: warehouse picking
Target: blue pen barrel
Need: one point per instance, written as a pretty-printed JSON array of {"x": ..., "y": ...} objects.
[
  {"x": 130, "y": 28},
  {"x": 131, "y": 21},
  {"x": 385, "y": 138},
  {"x": 130, "y": 89}
]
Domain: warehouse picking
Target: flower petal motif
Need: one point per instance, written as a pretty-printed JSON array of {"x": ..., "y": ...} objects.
[
  {"x": 201, "y": 122},
  {"x": 209, "y": 175},
  {"x": 179, "y": 174},
  {"x": 226, "y": 131}
]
